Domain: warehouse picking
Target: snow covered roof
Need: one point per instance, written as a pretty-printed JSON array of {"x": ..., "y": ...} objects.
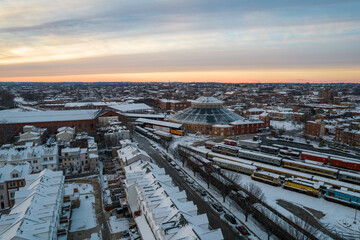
[
  {"x": 47, "y": 116},
  {"x": 36, "y": 209},
  {"x": 159, "y": 123},
  {"x": 246, "y": 121},
  {"x": 222, "y": 126},
  {"x": 66, "y": 128},
  {"x": 130, "y": 152},
  {"x": 7, "y": 171},
  {"x": 204, "y": 99},
  {"x": 169, "y": 101},
  {"x": 83, "y": 104},
  {"x": 23, "y": 153},
  {"x": 70, "y": 150},
  {"x": 167, "y": 209},
  {"x": 131, "y": 107},
  {"x": 142, "y": 115}
]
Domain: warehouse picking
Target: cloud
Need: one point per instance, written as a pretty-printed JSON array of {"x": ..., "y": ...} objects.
[{"x": 84, "y": 36}]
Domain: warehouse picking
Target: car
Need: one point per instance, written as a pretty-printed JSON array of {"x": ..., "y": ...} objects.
[
  {"x": 242, "y": 230},
  {"x": 217, "y": 207},
  {"x": 177, "y": 168},
  {"x": 189, "y": 180},
  {"x": 202, "y": 192},
  {"x": 172, "y": 163},
  {"x": 230, "y": 218}
]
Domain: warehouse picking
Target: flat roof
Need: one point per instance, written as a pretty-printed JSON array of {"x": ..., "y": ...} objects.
[
  {"x": 47, "y": 116},
  {"x": 143, "y": 115},
  {"x": 131, "y": 107},
  {"x": 159, "y": 123}
]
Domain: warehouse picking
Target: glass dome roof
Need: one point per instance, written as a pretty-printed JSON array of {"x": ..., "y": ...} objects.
[{"x": 211, "y": 116}]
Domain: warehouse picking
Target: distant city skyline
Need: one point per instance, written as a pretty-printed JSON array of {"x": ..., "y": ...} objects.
[{"x": 180, "y": 41}]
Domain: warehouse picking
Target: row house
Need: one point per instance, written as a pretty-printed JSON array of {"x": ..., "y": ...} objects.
[
  {"x": 40, "y": 157},
  {"x": 12, "y": 177}
]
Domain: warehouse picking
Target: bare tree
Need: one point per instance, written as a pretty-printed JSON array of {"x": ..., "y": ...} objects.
[
  {"x": 254, "y": 195},
  {"x": 304, "y": 224},
  {"x": 230, "y": 179},
  {"x": 7, "y": 133}
]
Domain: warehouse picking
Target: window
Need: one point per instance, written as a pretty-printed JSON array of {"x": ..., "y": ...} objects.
[
  {"x": 12, "y": 184},
  {"x": 51, "y": 158},
  {"x": 1, "y": 187},
  {"x": 15, "y": 175},
  {"x": 1, "y": 196},
  {"x": 35, "y": 161},
  {"x": 12, "y": 195},
  {"x": 45, "y": 159},
  {"x": 21, "y": 183}
]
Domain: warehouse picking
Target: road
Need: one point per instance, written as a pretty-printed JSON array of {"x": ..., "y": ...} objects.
[{"x": 203, "y": 207}]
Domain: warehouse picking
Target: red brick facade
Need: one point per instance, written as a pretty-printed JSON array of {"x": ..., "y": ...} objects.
[
  {"x": 351, "y": 137},
  {"x": 80, "y": 125},
  {"x": 314, "y": 129},
  {"x": 174, "y": 104},
  {"x": 231, "y": 130}
]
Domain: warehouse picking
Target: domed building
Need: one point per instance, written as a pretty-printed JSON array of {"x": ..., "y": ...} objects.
[{"x": 207, "y": 115}]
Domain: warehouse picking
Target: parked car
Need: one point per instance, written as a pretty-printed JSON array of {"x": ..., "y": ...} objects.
[
  {"x": 230, "y": 218},
  {"x": 217, "y": 207},
  {"x": 202, "y": 192},
  {"x": 189, "y": 180},
  {"x": 177, "y": 168},
  {"x": 242, "y": 230}
]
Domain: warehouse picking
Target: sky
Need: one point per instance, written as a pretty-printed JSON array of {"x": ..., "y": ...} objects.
[{"x": 180, "y": 40}]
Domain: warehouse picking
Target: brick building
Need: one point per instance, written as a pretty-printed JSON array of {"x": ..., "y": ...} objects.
[
  {"x": 348, "y": 136},
  {"x": 175, "y": 105},
  {"x": 208, "y": 116},
  {"x": 83, "y": 120},
  {"x": 315, "y": 128}
]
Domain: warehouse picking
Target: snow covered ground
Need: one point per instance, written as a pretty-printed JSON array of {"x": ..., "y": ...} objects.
[
  {"x": 83, "y": 188},
  {"x": 333, "y": 212},
  {"x": 84, "y": 217},
  {"x": 95, "y": 236},
  {"x": 118, "y": 224},
  {"x": 286, "y": 125}
]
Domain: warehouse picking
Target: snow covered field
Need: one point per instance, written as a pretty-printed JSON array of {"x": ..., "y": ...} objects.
[
  {"x": 84, "y": 188},
  {"x": 95, "y": 236},
  {"x": 84, "y": 217},
  {"x": 118, "y": 224},
  {"x": 333, "y": 212},
  {"x": 286, "y": 125}
]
